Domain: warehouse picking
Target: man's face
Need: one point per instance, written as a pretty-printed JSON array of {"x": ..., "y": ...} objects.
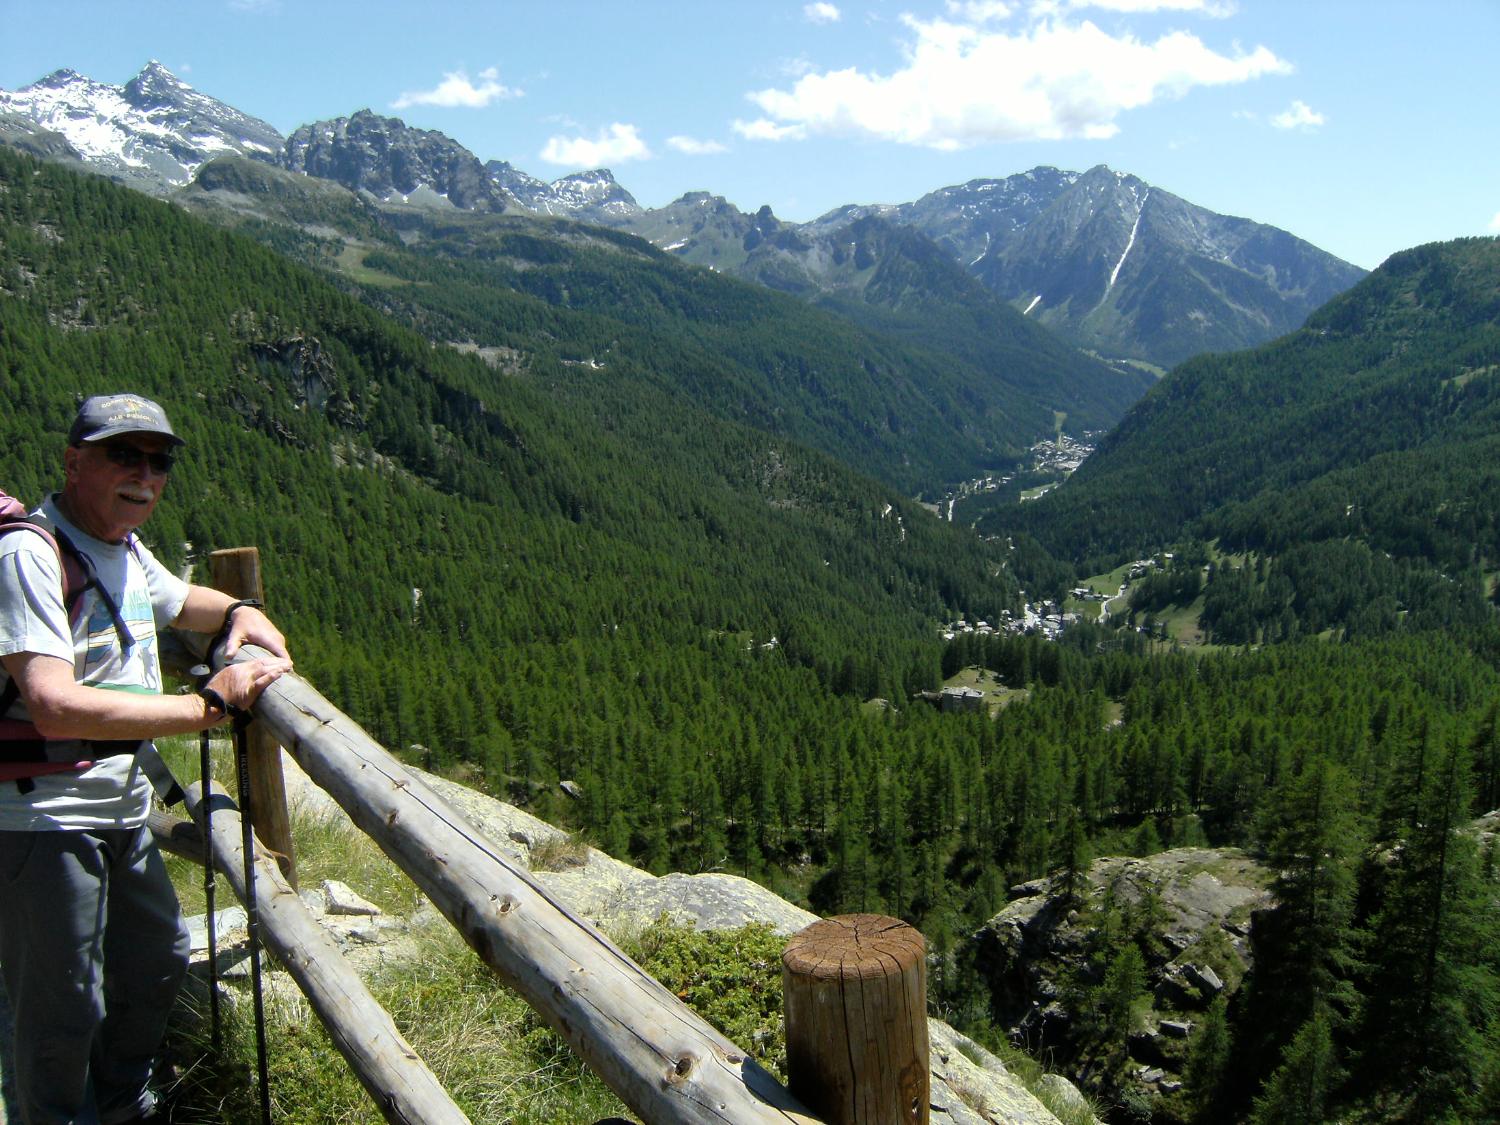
[{"x": 112, "y": 486}]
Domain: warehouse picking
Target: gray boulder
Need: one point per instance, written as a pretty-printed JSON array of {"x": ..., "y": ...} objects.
[{"x": 1039, "y": 953}]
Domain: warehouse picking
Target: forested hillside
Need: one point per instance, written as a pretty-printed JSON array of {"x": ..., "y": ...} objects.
[
  {"x": 548, "y": 569},
  {"x": 1356, "y": 459},
  {"x": 894, "y": 279},
  {"x": 891, "y": 397},
  {"x": 481, "y": 512}
]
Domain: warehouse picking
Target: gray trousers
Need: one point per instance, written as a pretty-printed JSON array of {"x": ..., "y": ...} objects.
[{"x": 93, "y": 950}]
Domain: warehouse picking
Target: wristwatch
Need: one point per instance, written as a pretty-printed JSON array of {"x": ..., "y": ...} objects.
[{"x": 215, "y": 701}]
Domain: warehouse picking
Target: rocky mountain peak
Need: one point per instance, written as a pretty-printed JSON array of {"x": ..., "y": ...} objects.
[
  {"x": 58, "y": 79},
  {"x": 155, "y": 85},
  {"x": 392, "y": 161},
  {"x": 600, "y": 176},
  {"x": 594, "y": 195},
  {"x": 154, "y": 132}
]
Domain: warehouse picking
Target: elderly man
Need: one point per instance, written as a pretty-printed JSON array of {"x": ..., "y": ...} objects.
[{"x": 92, "y": 943}]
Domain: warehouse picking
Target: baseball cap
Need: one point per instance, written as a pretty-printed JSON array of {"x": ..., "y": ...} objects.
[{"x": 106, "y": 416}]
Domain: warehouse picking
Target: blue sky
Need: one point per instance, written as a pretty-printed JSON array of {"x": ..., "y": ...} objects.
[{"x": 1363, "y": 126}]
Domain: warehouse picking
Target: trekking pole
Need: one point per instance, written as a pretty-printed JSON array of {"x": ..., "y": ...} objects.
[
  {"x": 252, "y": 910},
  {"x": 211, "y": 924},
  {"x": 240, "y": 725}
]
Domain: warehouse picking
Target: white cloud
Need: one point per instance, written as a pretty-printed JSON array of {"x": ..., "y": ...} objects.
[
  {"x": 1217, "y": 9},
  {"x": 694, "y": 147},
  {"x": 821, "y": 12},
  {"x": 615, "y": 145},
  {"x": 979, "y": 11},
  {"x": 963, "y": 84},
  {"x": 1495, "y": 223},
  {"x": 456, "y": 90},
  {"x": 762, "y": 129},
  {"x": 1299, "y": 116}
]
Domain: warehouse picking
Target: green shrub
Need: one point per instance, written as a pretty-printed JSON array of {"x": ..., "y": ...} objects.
[{"x": 732, "y": 978}]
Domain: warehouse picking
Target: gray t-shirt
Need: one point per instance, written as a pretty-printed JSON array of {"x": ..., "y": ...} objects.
[{"x": 114, "y": 792}]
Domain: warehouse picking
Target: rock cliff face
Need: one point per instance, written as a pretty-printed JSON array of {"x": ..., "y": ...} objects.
[
  {"x": 393, "y": 162},
  {"x": 1046, "y": 957}
]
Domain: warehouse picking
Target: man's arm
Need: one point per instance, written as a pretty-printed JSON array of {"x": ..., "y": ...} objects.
[
  {"x": 203, "y": 612},
  {"x": 60, "y": 707}
]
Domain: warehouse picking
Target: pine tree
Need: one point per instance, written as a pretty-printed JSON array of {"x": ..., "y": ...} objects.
[
  {"x": 1434, "y": 983},
  {"x": 1315, "y": 841},
  {"x": 1074, "y": 858},
  {"x": 1300, "y": 1091},
  {"x": 1209, "y": 1057}
]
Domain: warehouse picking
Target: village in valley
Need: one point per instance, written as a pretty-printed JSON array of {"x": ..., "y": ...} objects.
[
  {"x": 1047, "y": 618},
  {"x": 1057, "y": 457}
]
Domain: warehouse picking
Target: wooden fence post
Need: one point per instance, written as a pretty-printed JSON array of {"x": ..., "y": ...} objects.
[
  {"x": 855, "y": 990},
  {"x": 236, "y": 572}
]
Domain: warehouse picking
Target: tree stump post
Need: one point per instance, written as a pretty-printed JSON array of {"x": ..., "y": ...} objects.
[
  {"x": 236, "y": 572},
  {"x": 855, "y": 991}
]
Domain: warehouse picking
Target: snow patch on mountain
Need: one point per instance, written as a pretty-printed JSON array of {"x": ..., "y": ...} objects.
[{"x": 156, "y": 130}]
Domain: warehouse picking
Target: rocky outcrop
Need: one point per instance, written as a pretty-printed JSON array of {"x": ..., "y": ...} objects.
[
  {"x": 393, "y": 162},
  {"x": 614, "y": 894},
  {"x": 1042, "y": 954}
]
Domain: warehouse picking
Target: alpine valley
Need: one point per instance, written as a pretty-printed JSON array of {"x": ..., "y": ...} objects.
[{"x": 1181, "y": 765}]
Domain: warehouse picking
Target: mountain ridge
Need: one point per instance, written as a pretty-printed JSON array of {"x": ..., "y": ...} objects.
[
  {"x": 1359, "y": 448},
  {"x": 1111, "y": 263},
  {"x": 153, "y": 132},
  {"x": 1114, "y": 265}
]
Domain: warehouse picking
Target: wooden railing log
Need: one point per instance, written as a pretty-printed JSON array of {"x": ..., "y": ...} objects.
[
  {"x": 404, "y": 1089},
  {"x": 664, "y": 1061},
  {"x": 180, "y": 837}
]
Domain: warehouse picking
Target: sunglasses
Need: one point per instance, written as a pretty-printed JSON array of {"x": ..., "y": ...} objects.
[{"x": 129, "y": 457}]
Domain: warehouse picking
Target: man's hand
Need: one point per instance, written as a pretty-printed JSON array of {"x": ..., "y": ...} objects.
[
  {"x": 203, "y": 612},
  {"x": 60, "y": 707},
  {"x": 249, "y": 625},
  {"x": 240, "y": 685}
]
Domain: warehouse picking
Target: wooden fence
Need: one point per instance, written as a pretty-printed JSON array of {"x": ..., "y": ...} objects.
[{"x": 663, "y": 1060}]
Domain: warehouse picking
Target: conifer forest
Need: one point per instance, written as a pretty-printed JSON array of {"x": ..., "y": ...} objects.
[{"x": 658, "y": 532}]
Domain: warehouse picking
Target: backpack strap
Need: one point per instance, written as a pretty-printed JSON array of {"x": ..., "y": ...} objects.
[
  {"x": 24, "y": 752},
  {"x": 79, "y": 575}
]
